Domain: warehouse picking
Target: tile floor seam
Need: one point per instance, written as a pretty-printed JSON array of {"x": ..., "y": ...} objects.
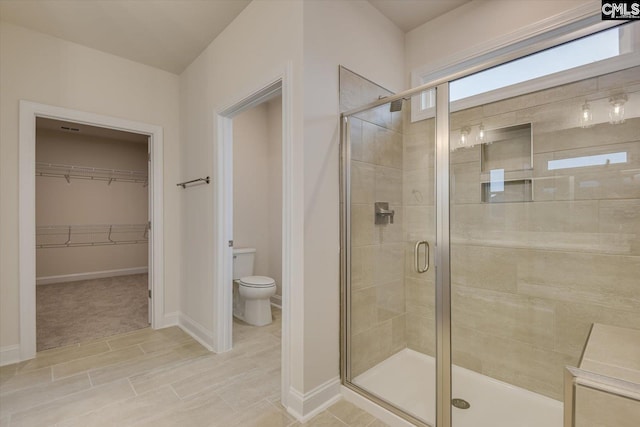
[
  {"x": 95, "y": 409},
  {"x": 373, "y": 421},
  {"x": 222, "y": 397},
  {"x": 41, "y": 356},
  {"x": 55, "y": 399},
  {"x": 114, "y": 365},
  {"x": 336, "y": 417},
  {"x": 141, "y": 348},
  {"x": 252, "y": 363},
  {"x": 174, "y": 392},
  {"x": 195, "y": 393},
  {"x": 76, "y": 360},
  {"x": 135, "y": 393},
  {"x": 136, "y": 359}
]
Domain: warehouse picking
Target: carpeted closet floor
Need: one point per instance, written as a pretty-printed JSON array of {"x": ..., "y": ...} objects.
[{"x": 73, "y": 312}]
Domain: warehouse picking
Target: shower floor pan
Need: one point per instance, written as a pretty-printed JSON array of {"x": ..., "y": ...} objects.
[{"x": 407, "y": 380}]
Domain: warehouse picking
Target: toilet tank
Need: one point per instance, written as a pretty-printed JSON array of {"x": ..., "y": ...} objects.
[{"x": 243, "y": 262}]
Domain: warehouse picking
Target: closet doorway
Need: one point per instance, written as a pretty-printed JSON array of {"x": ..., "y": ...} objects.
[
  {"x": 92, "y": 232},
  {"x": 31, "y": 238}
]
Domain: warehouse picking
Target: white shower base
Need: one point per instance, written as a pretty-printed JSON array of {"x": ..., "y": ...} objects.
[{"x": 407, "y": 380}]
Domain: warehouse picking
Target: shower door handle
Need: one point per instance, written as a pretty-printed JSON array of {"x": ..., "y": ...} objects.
[{"x": 416, "y": 256}]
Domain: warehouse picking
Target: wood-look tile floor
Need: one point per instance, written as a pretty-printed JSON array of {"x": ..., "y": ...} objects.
[{"x": 158, "y": 378}]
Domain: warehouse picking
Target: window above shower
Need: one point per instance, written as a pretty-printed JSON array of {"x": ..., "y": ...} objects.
[{"x": 603, "y": 52}]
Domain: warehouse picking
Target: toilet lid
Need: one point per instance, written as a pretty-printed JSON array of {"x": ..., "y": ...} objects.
[{"x": 257, "y": 281}]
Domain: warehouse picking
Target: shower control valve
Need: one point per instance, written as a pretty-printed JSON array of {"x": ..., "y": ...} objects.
[{"x": 383, "y": 214}]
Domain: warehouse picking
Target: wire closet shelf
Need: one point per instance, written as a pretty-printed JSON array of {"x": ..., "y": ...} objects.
[
  {"x": 64, "y": 236},
  {"x": 70, "y": 172}
]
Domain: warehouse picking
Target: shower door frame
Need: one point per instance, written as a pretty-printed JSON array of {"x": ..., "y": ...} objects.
[{"x": 564, "y": 33}]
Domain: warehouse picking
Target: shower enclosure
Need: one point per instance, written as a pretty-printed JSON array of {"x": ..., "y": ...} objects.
[{"x": 489, "y": 218}]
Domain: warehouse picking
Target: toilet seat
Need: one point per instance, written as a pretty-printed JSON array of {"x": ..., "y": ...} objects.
[{"x": 257, "y": 281}]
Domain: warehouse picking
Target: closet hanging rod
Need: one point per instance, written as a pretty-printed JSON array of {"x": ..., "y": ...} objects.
[{"x": 184, "y": 184}]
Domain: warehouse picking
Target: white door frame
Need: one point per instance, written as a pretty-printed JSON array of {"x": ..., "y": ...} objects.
[
  {"x": 223, "y": 131},
  {"x": 29, "y": 111}
]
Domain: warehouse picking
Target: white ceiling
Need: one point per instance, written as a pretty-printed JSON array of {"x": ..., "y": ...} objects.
[
  {"x": 409, "y": 14},
  {"x": 168, "y": 34},
  {"x": 164, "y": 34}
]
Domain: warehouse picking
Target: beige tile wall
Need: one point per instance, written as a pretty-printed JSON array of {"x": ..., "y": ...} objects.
[
  {"x": 418, "y": 199},
  {"x": 595, "y": 408},
  {"x": 530, "y": 278},
  {"x": 377, "y": 251}
]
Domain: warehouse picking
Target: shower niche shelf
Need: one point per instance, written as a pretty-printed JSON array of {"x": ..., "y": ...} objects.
[{"x": 507, "y": 165}]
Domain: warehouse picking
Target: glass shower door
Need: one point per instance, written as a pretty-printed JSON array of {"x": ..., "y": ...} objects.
[
  {"x": 389, "y": 166},
  {"x": 535, "y": 206},
  {"x": 545, "y": 202}
]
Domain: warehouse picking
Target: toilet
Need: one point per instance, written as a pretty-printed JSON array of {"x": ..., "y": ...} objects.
[{"x": 251, "y": 294}]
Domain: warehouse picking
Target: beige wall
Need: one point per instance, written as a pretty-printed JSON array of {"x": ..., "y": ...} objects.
[
  {"x": 48, "y": 70},
  {"x": 246, "y": 56},
  {"x": 356, "y": 35},
  {"x": 86, "y": 202},
  {"x": 254, "y": 49},
  {"x": 257, "y": 186},
  {"x": 274, "y": 179}
]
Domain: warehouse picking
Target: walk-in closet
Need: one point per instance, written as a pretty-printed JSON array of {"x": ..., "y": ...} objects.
[{"x": 92, "y": 233}]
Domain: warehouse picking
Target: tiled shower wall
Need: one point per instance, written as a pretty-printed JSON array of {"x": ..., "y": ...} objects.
[
  {"x": 418, "y": 199},
  {"x": 377, "y": 251},
  {"x": 529, "y": 278}
]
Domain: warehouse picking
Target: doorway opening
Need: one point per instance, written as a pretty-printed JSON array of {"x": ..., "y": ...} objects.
[
  {"x": 256, "y": 183},
  {"x": 30, "y": 112},
  {"x": 92, "y": 232},
  {"x": 279, "y": 87}
]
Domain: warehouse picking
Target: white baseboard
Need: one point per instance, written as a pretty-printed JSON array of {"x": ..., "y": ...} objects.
[
  {"x": 276, "y": 301},
  {"x": 47, "y": 280},
  {"x": 171, "y": 319},
  {"x": 377, "y": 411},
  {"x": 196, "y": 330},
  {"x": 306, "y": 406},
  {"x": 9, "y": 354}
]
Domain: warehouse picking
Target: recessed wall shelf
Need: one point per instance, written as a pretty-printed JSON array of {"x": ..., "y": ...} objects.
[
  {"x": 507, "y": 165},
  {"x": 70, "y": 172}
]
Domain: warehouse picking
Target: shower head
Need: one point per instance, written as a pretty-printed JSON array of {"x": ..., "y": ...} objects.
[{"x": 396, "y": 105}]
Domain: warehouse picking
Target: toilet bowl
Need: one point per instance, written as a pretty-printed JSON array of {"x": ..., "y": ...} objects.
[
  {"x": 251, "y": 294},
  {"x": 254, "y": 299}
]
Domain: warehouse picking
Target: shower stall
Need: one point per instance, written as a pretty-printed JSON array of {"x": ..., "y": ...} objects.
[{"x": 489, "y": 218}]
